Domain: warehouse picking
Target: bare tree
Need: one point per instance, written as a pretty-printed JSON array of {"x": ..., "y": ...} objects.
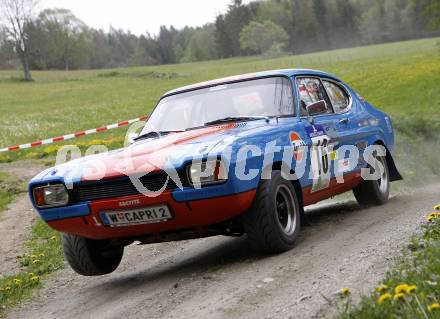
[{"x": 15, "y": 15}]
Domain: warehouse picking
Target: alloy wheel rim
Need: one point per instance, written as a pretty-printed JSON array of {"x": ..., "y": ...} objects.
[
  {"x": 285, "y": 210},
  {"x": 383, "y": 180}
]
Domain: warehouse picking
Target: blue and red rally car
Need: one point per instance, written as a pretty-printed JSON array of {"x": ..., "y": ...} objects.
[{"x": 234, "y": 156}]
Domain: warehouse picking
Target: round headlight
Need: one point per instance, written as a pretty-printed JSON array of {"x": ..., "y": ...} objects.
[{"x": 51, "y": 196}]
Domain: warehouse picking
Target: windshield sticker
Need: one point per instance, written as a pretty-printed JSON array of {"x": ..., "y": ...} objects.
[{"x": 249, "y": 104}]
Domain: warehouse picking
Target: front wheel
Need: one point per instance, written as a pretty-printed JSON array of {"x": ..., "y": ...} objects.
[
  {"x": 273, "y": 222},
  {"x": 91, "y": 257},
  {"x": 374, "y": 192}
]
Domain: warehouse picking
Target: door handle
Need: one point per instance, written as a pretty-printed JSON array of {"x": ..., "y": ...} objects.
[{"x": 345, "y": 120}]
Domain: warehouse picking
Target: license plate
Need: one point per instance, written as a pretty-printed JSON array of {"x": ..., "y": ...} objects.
[{"x": 137, "y": 216}]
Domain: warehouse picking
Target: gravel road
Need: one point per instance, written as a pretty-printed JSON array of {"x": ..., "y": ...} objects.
[
  {"x": 218, "y": 277},
  {"x": 17, "y": 220}
]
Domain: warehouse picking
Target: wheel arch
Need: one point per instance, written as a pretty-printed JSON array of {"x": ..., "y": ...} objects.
[{"x": 394, "y": 172}]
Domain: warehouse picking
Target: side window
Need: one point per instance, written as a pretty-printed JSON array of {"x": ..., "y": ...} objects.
[
  {"x": 311, "y": 91},
  {"x": 338, "y": 97}
]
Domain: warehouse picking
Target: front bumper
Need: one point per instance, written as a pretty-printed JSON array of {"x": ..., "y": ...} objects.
[{"x": 186, "y": 215}]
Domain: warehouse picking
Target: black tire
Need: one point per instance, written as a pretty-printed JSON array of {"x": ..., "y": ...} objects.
[
  {"x": 267, "y": 223},
  {"x": 91, "y": 257},
  {"x": 375, "y": 192}
]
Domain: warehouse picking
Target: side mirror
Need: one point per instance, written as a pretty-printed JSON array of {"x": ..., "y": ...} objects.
[
  {"x": 131, "y": 137},
  {"x": 317, "y": 108},
  {"x": 133, "y": 131}
]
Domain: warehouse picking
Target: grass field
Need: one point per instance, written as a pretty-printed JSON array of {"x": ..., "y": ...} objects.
[
  {"x": 410, "y": 289},
  {"x": 8, "y": 189},
  {"x": 401, "y": 78},
  {"x": 43, "y": 256}
]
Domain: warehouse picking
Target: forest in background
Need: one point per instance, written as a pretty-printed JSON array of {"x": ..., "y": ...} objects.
[{"x": 56, "y": 39}]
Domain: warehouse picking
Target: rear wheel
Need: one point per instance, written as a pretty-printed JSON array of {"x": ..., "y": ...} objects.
[
  {"x": 273, "y": 222},
  {"x": 375, "y": 192},
  {"x": 91, "y": 257}
]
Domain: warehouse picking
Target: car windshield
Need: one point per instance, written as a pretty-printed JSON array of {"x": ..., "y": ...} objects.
[{"x": 264, "y": 97}]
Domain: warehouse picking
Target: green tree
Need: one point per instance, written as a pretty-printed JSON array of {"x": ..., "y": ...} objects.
[
  {"x": 342, "y": 26},
  {"x": 181, "y": 42},
  {"x": 166, "y": 44},
  {"x": 7, "y": 54},
  {"x": 122, "y": 45},
  {"x": 262, "y": 37},
  {"x": 141, "y": 55},
  {"x": 58, "y": 40},
  {"x": 223, "y": 40},
  {"x": 201, "y": 45},
  {"x": 429, "y": 9},
  {"x": 100, "y": 51},
  {"x": 62, "y": 40},
  {"x": 372, "y": 23},
  {"x": 303, "y": 28},
  {"x": 321, "y": 15},
  {"x": 237, "y": 17},
  {"x": 15, "y": 16},
  {"x": 228, "y": 26}
]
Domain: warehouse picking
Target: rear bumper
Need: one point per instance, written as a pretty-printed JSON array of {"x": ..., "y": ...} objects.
[{"x": 188, "y": 214}]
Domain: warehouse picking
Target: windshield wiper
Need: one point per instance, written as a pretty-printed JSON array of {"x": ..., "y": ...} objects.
[
  {"x": 154, "y": 134},
  {"x": 238, "y": 118}
]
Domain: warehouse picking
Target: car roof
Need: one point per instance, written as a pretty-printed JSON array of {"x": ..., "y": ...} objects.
[{"x": 250, "y": 76}]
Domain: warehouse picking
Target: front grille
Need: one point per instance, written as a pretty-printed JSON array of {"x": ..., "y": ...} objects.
[{"x": 122, "y": 186}]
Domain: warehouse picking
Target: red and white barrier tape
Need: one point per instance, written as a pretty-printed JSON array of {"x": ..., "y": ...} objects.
[{"x": 72, "y": 136}]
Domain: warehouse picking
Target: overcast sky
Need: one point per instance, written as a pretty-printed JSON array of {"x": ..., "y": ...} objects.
[{"x": 141, "y": 16}]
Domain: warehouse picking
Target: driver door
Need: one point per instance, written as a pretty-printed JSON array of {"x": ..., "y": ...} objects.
[{"x": 322, "y": 139}]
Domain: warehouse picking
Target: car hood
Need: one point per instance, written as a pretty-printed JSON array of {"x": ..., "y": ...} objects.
[{"x": 171, "y": 151}]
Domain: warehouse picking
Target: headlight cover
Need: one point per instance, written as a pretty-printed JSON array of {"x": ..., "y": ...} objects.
[
  {"x": 207, "y": 172},
  {"x": 51, "y": 196}
]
